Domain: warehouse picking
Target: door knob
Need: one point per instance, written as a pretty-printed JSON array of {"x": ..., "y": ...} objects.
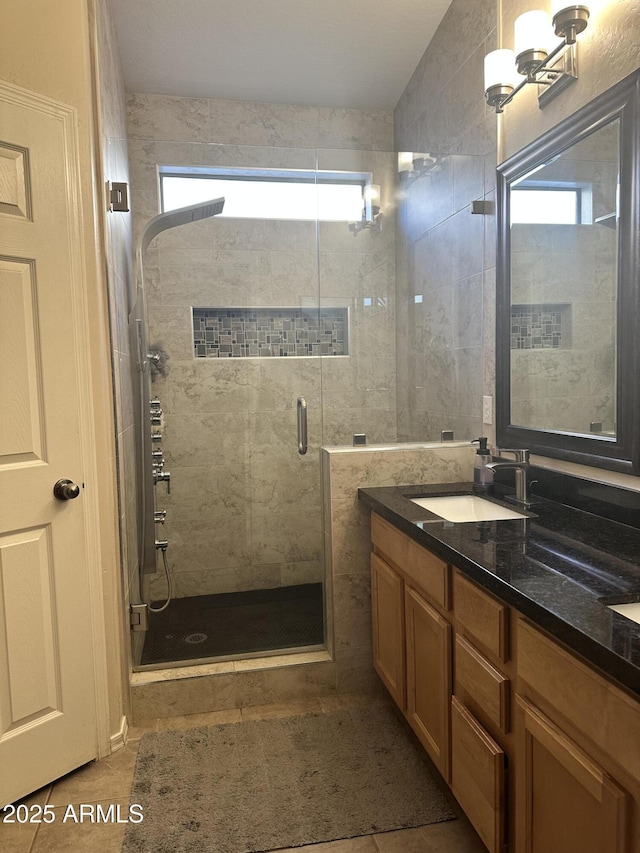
[{"x": 66, "y": 490}]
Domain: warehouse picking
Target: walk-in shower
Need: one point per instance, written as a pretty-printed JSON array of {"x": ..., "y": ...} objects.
[
  {"x": 197, "y": 624},
  {"x": 266, "y": 315}
]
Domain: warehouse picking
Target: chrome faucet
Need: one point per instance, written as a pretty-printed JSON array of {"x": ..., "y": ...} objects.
[{"x": 521, "y": 467}]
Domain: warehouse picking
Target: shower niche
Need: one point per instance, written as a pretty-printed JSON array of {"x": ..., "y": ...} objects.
[{"x": 269, "y": 332}]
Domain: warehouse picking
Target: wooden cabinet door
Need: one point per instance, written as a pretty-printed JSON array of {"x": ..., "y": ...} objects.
[
  {"x": 387, "y": 607},
  {"x": 429, "y": 678},
  {"x": 478, "y": 776},
  {"x": 565, "y": 802}
]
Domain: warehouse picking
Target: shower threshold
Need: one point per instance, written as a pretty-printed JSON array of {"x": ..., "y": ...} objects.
[{"x": 226, "y": 626}]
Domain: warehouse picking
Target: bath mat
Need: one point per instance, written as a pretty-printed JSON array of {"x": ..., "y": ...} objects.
[{"x": 262, "y": 785}]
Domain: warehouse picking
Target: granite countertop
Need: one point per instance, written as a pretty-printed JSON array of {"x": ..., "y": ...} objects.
[{"x": 554, "y": 567}]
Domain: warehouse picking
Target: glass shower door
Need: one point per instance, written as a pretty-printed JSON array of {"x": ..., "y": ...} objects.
[{"x": 234, "y": 304}]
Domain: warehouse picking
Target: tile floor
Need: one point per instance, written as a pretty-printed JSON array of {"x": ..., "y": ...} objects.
[{"x": 109, "y": 782}]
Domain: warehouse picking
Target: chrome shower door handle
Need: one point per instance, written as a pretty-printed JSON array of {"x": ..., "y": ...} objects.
[{"x": 302, "y": 426}]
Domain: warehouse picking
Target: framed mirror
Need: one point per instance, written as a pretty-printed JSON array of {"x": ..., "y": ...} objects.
[{"x": 568, "y": 292}]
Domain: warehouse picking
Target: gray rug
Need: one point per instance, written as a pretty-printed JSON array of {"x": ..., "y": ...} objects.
[{"x": 266, "y": 784}]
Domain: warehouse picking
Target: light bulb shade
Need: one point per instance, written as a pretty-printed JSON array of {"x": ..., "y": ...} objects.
[
  {"x": 371, "y": 194},
  {"x": 532, "y": 32},
  {"x": 405, "y": 161},
  {"x": 499, "y": 69}
]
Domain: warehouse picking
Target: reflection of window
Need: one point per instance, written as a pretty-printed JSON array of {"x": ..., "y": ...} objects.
[
  {"x": 268, "y": 193},
  {"x": 548, "y": 205}
]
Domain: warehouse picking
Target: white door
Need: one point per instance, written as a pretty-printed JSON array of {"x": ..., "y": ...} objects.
[{"x": 47, "y": 699}]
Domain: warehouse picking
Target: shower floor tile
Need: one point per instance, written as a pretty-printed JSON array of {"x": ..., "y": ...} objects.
[{"x": 206, "y": 626}]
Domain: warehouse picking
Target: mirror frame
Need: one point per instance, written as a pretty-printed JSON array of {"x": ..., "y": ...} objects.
[{"x": 622, "y": 453}]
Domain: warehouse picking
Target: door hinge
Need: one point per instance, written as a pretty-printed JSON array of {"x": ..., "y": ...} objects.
[
  {"x": 118, "y": 196},
  {"x": 139, "y": 617}
]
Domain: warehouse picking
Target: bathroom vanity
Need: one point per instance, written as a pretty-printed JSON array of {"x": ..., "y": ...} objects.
[{"x": 498, "y": 642}]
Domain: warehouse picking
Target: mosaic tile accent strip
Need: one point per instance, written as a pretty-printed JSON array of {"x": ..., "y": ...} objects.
[
  {"x": 540, "y": 326},
  {"x": 269, "y": 332}
]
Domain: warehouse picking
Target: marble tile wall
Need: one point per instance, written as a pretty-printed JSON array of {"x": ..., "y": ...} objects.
[
  {"x": 445, "y": 256},
  {"x": 358, "y": 393},
  {"x": 225, "y": 122},
  {"x": 244, "y": 509},
  {"x": 348, "y": 535}
]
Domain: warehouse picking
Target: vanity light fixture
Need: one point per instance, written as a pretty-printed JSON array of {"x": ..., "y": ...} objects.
[
  {"x": 534, "y": 58},
  {"x": 414, "y": 165},
  {"x": 371, "y": 212}
]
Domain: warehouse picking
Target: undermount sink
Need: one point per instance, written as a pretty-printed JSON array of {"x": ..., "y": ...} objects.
[
  {"x": 461, "y": 508},
  {"x": 627, "y": 605},
  {"x": 631, "y": 611}
]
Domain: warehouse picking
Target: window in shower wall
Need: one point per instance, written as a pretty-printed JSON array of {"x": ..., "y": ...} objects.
[{"x": 270, "y": 193}]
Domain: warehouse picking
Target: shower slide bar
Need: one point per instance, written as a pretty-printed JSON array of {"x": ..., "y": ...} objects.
[
  {"x": 138, "y": 322},
  {"x": 302, "y": 426}
]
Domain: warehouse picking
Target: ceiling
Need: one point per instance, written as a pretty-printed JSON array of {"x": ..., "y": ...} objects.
[{"x": 333, "y": 53}]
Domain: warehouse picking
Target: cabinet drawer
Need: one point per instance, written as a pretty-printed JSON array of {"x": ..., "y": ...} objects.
[
  {"x": 482, "y": 616},
  {"x": 425, "y": 571},
  {"x": 478, "y": 776},
  {"x": 597, "y": 708},
  {"x": 482, "y": 683}
]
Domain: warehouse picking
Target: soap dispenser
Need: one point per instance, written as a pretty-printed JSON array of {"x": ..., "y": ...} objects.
[{"x": 482, "y": 476}]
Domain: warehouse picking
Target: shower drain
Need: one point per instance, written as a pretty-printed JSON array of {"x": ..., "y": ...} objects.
[{"x": 196, "y": 638}]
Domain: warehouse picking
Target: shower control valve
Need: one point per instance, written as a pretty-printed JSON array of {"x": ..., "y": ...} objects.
[
  {"x": 156, "y": 437},
  {"x": 160, "y": 516},
  {"x": 156, "y": 417},
  {"x": 156, "y": 455},
  {"x": 155, "y": 403}
]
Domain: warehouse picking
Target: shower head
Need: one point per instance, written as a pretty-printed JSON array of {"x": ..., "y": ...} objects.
[
  {"x": 155, "y": 226},
  {"x": 180, "y": 216}
]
